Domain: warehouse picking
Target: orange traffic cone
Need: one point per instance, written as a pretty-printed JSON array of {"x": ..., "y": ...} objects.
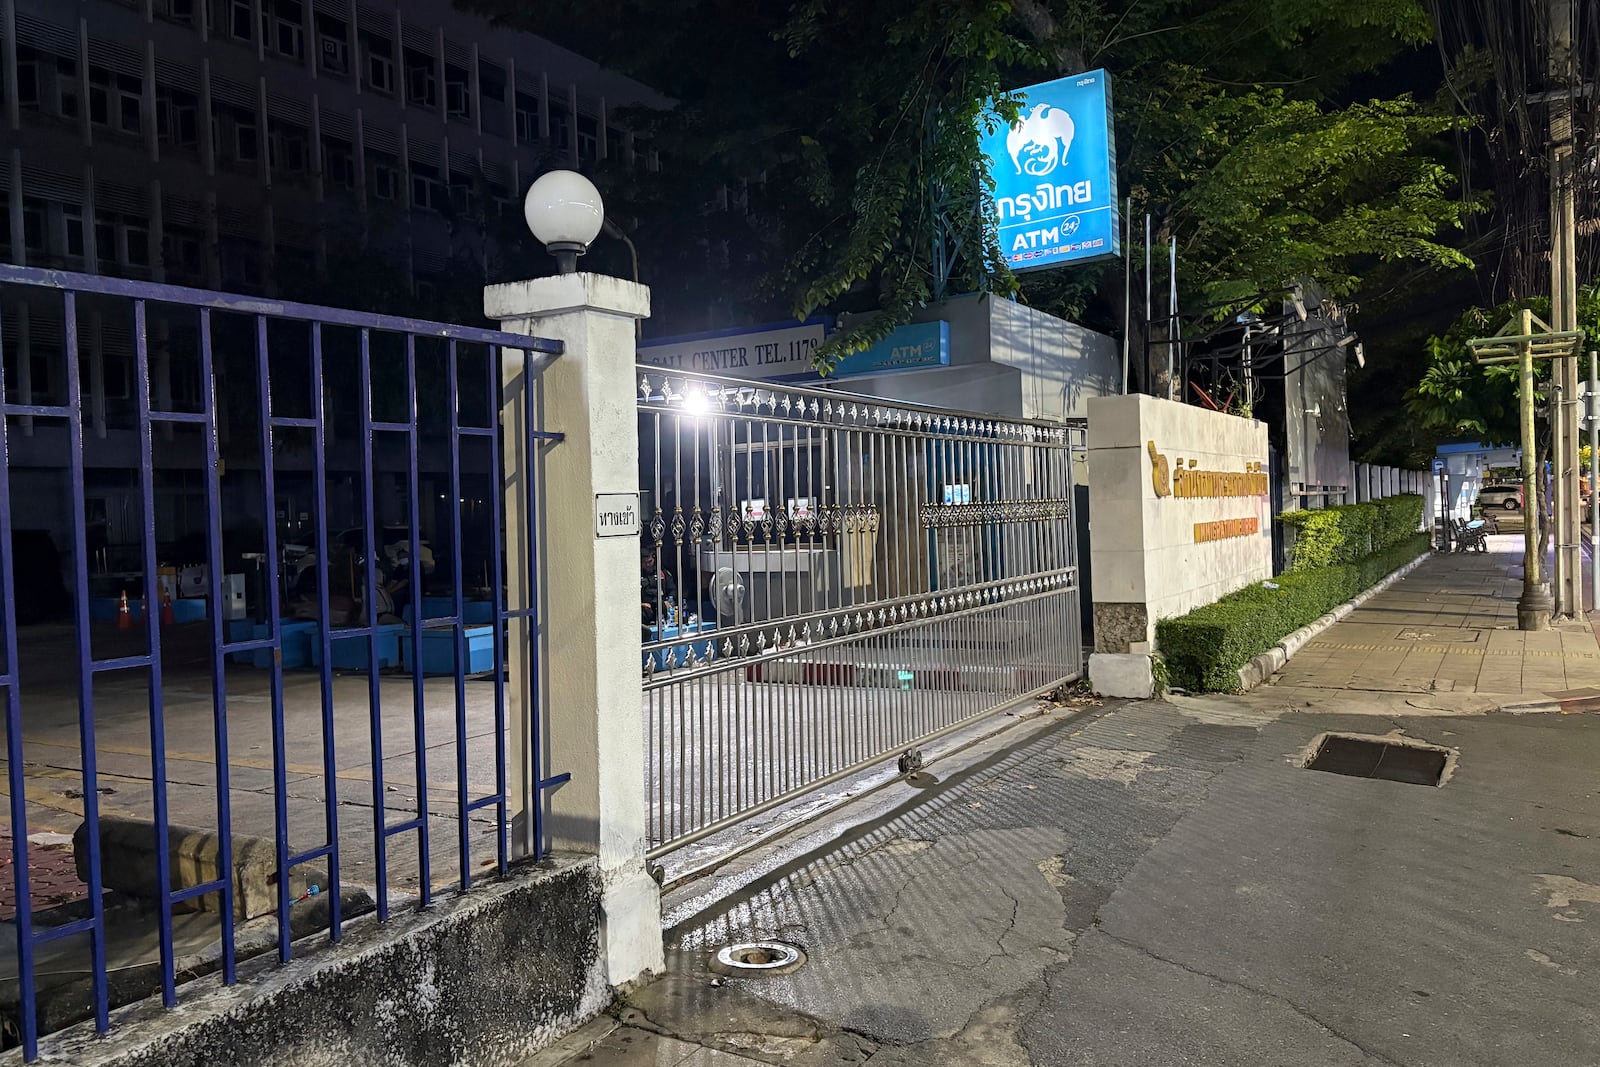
[
  {"x": 124, "y": 620},
  {"x": 166, "y": 608}
]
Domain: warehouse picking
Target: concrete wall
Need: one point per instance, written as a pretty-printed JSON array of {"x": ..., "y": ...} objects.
[
  {"x": 1007, "y": 359},
  {"x": 1148, "y": 561},
  {"x": 486, "y": 979}
]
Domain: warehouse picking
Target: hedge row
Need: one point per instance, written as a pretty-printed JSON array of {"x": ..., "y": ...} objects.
[
  {"x": 1349, "y": 533},
  {"x": 1204, "y": 649}
]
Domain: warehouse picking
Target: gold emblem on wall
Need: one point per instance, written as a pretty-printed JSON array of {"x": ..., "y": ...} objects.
[{"x": 1160, "y": 473}]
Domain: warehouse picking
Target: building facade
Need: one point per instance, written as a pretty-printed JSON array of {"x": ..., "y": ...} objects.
[
  {"x": 228, "y": 143},
  {"x": 257, "y": 146}
]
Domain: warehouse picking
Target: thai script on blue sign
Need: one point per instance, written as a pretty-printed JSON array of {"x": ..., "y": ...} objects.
[
  {"x": 919, "y": 344},
  {"x": 1055, "y": 175}
]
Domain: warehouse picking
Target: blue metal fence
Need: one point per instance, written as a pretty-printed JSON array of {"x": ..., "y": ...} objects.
[{"x": 217, "y": 320}]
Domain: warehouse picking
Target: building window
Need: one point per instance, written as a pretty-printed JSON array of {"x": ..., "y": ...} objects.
[
  {"x": 527, "y": 118},
  {"x": 181, "y": 10},
  {"x": 35, "y": 225},
  {"x": 286, "y": 27},
  {"x": 588, "y": 139},
  {"x": 286, "y": 147},
  {"x": 463, "y": 194},
  {"x": 560, "y": 129},
  {"x": 181, "y": 252},
  {"x": 385, "y": 182},
  {"x": 130, "y": 110},
  {"x": 241, "y": 264},
  {"x": 491, "y": 81},
  {"x": 422, "y": 88},
  {"x": 333, "y": 48},
  {"x": 105, "y": 245},
  {"x": 67, "y": 102},
  {"x": 177, "y": 118},
  {"x": 246, "y": 141},
  {"x": 338, "y": 163},
  {"x": 99, "y": 96},
  {"x": 28, "y": 94},
  {"x": 425, "y": 191},
  {"x": 72, "y": 224},
  {"x": 138, "y": 244},
  {"x": 378, "y": 62},
  {"x": 116, "y": 101},
  {"x": 457, "y": 93},
  {"x": 240, "y": 24}
]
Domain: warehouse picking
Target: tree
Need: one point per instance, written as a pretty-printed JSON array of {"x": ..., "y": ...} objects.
[
  {"x": 835, "y": 123},
  {"x": 1457, "y": 397}
]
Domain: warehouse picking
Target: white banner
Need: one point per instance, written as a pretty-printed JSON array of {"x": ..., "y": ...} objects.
[{"x": 775, "y": 352}]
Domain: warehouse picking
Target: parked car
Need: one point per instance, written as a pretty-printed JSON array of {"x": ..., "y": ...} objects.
[{"x": 1508, "y": 497}]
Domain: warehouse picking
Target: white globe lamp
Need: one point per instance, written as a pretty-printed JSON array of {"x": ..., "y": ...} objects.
[{"x": 565, "y": 213}]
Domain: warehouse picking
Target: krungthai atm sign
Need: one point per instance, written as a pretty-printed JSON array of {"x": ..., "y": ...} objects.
[{"x": 1055, "y": 175}]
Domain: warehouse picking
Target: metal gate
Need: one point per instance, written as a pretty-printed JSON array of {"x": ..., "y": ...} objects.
[
  {"x": 378, "y": 765},
  {"x": 829, "y": 579}
]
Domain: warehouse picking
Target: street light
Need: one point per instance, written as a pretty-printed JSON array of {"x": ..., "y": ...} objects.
[{"x": 564, "y": 211}]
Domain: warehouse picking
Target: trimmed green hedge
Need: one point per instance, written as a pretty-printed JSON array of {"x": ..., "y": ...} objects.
[
  {"x": 1348, "y": 533},
  {"x": 1204, "y": 649}
]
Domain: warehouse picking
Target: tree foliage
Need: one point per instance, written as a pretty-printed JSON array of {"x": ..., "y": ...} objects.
[
  {"x": 842, "y": 129},
  {"x": 1457, "y": 397}
]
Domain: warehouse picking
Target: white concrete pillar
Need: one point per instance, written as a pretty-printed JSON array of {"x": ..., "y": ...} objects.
[{"x": 594, "y": 721}]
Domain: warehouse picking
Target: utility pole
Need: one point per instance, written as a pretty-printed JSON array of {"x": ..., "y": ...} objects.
[
  {"x": 1592, "y": 417},
  {"x": 1568, "y": 515},
  {"x": 1521, "y": 341},
  {"x": 1534, "y": 608}
]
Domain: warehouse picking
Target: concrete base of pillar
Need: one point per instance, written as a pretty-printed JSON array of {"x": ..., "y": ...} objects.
[{"x": 1123, "y": 674}]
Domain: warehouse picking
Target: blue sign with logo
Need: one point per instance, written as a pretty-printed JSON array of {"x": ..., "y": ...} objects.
[
  {"x": 919, "y": 344},
  {"x": 1055, "y": 175}
]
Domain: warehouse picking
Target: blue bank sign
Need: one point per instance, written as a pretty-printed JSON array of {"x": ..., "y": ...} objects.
[
  {"x": 1055, "y": 175},
  {"x": 919, "y": 344}
]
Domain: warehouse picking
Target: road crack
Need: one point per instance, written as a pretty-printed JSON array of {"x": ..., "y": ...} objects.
[{"x": 1235, "y": 984}]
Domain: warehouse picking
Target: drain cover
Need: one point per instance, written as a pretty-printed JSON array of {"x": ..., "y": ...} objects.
[
  {"x": 756, "y": 958},
  {"x": 1392, "y": 759}
]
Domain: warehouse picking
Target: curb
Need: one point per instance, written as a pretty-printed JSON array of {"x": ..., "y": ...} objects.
[
  {"x": 1554, "y": 704},
  {"x": 1271, "y": 661}
]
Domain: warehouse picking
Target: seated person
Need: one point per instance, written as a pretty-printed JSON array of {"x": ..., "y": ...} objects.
[{"x": 656, "y": 587}]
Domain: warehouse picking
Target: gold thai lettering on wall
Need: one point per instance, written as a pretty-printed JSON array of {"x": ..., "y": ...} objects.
[
  {"x": 1187, "y": 481},
  {"x": 1223, "y": 529}
]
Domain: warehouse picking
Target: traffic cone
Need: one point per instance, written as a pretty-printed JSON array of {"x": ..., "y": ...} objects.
[
  {"x": 124, "y": 620},
  {"x": 166, "y": 608}
]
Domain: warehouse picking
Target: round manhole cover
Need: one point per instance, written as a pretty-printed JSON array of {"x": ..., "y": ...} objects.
[{"x": 756, "y": 958}]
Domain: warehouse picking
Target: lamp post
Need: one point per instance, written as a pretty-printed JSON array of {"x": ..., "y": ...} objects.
[
  {"x": 565, "y": 213},
  {"x": 1520, "y": 341}
]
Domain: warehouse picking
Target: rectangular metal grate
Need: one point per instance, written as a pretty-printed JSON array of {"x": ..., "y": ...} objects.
[{"x": 1393, "y": 761}]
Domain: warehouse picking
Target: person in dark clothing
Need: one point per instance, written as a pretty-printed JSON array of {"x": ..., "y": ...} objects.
[{"x": 656, "y": 587}]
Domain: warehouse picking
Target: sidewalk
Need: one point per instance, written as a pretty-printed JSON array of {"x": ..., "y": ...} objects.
[{"x": 1450, "y": 626}]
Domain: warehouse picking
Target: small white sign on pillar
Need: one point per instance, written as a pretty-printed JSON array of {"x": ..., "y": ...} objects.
[{"x": 616, "y": 514}]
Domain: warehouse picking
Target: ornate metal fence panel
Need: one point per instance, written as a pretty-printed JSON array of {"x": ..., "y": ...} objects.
[{"x": 827, "y": 580}]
